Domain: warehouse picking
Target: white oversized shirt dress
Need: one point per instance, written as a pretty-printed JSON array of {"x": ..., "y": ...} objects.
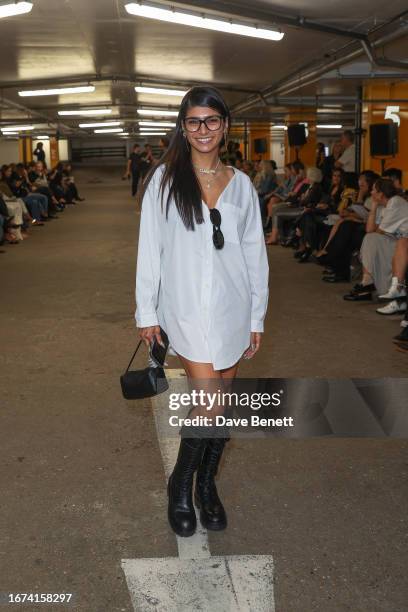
[{"x": 207, "y": 300}]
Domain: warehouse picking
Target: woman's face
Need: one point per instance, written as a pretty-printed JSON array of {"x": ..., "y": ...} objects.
[
  {"x": 376, "y": 195},
  {"x": 204, "y": 138},
  {"x": 336, "y": 178},
  {"x": 362, "y": 183}
]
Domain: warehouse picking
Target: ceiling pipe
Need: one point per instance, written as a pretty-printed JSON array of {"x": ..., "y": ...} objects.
[
  {"x": 100, "y": 78},
  {"x": 381, "y": 62},
  {"x": 33, "y": 114},
  {"x": 297, "y": 81}
]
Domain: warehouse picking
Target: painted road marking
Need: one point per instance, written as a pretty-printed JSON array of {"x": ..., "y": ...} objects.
[{"x": 195, "y": 580}]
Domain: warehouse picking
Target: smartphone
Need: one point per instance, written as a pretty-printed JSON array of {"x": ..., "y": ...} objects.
[{"x": 158, "y": 352}]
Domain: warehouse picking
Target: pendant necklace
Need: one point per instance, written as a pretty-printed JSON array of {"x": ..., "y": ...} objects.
[{"x": 208, "y": 171}]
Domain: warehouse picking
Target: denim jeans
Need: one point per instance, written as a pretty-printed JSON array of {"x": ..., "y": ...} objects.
[{"x": 37, "y": 204}]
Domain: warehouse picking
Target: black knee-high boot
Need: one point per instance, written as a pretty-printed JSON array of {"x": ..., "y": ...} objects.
[
  {"x": 181, "y": 513},
  {"x": 212, "y": 512}
]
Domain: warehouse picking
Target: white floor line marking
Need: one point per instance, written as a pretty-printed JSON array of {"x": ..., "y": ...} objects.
[{"x": 195, "y": 580}]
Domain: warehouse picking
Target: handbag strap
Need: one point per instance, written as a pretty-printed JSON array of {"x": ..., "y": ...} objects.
[{"x": 133, "y": 356}]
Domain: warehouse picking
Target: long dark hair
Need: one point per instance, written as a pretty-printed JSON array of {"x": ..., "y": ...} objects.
[{"x": 179, "y": 174}]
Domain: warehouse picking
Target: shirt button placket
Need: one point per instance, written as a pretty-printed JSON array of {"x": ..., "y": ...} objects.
[{"x": 206, "y": 286}]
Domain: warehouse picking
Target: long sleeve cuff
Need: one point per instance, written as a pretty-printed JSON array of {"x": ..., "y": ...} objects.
[
  {"x": 257, "y": 326},
  {"x": 146, "y": 319}
]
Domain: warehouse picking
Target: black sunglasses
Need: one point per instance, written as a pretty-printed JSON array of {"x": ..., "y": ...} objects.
[{"x": 218, "y": 237}]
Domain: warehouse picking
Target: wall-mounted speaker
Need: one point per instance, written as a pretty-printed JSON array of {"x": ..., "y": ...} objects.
[
  {"x": 297, "y": 135},
  {"x": 260, "y": 145},
  {"x": 383, "y": 139}
]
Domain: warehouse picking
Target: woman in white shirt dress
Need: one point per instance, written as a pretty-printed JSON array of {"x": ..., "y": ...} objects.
[{"x": 202, "y": 276}]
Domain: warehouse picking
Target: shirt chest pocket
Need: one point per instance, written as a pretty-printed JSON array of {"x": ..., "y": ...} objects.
[{"x": 232, "y": 223}]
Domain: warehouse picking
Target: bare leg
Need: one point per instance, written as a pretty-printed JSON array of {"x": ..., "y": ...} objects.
[{"x": 203, "y": 376}]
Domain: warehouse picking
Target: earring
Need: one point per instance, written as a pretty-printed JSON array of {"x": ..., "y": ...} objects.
[{"x": 186, "y": 141}]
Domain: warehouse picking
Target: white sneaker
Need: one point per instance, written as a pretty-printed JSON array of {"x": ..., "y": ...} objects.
[
  {"x": 396, "y": 290},
  {"x": 392, "y": 308}
]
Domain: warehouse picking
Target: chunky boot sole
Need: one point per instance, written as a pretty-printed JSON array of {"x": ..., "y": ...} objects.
[
  {"x": 207, "y": 523},
  {"x": 182, "y": 533}
]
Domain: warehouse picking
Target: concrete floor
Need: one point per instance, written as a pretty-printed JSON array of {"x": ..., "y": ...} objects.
[{"x": 82, "y": 480}]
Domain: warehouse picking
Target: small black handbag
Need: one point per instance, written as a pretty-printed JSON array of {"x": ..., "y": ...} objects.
[{"x": 140, "y": 384}]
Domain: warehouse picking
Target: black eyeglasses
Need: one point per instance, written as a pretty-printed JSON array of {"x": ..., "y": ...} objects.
[
  {"x": 218, "y": 237},
  {"x": 193, "y": 124}
]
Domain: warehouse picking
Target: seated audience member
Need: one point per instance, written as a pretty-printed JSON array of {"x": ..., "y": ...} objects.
[
  {"x": 281, "y": 193},
  {"x": 395, "y": 174},
  {"x": 36, "y": 203},
  {"x": 4, "y": 219},
  {"x": 330, "y": 163},
  {"x": 314, "y": 224},
  {"x": 292, "y": 207},
  {"x": 379, "y": 244},
  {"x": 69, "y": 181},
  {"x": 38, "y": 179},
  {"x": 16, "y": 209},
  {"x": 320, "y": 156},
  {"x": 401, "y": 339},
  {"x": 396, "y": 295},
  {"x": 348, "y": 232},
  {"x": 248, "y": 168},
  {"x": 238, "y": 155},
  {"x": 264, "y": 182}
]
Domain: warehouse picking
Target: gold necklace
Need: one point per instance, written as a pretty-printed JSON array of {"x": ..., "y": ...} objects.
[{"x": 208, "y": 171}]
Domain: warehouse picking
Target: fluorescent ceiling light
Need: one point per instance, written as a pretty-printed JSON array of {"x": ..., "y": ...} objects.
[
  {"x": 57, "y": 91},
  {"x": 17, "y": 128},
  {"x": 158, "y": 123},
  {"x": 10, "y": 133},
  {"x": 198, "y": 20},
  {"x": 15, "y": 8},
  {"x": 87, "y": 111},
  {"x": 41, "y": 137},
  {"x": 153, "y": 133},
  {"x": 124, "y": 134},
  {"x": 152, "y": 112},
  {"x": 279, "y": 127},
  {"x": 105, "y": 124},
  {"x": 328, "y": 126},
  {"x": 109, "y": 131},
  {"x": 160, "y": 91}
]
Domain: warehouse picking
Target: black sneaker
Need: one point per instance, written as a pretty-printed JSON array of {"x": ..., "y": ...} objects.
[
  {"x": 360, "y": 293},
  {"x": 402, "y": 336}
]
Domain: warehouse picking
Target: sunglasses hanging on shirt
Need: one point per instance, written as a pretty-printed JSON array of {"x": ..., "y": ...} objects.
[{"x": 218, "y": 237}]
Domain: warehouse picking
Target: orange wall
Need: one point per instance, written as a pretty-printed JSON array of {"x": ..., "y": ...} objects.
[
  {"x": 54, "y": 157},
  {"x": 25, "y": 148},
  {"x": 374, "y": 113}
]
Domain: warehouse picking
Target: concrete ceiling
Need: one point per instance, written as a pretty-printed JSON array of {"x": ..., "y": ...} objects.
[{"x": 81, "y": 41}]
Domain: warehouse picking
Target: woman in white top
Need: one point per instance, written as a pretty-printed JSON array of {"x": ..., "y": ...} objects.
[
  {"x": 202, "y": 275},
  {"x": 378, "y": 247}
]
